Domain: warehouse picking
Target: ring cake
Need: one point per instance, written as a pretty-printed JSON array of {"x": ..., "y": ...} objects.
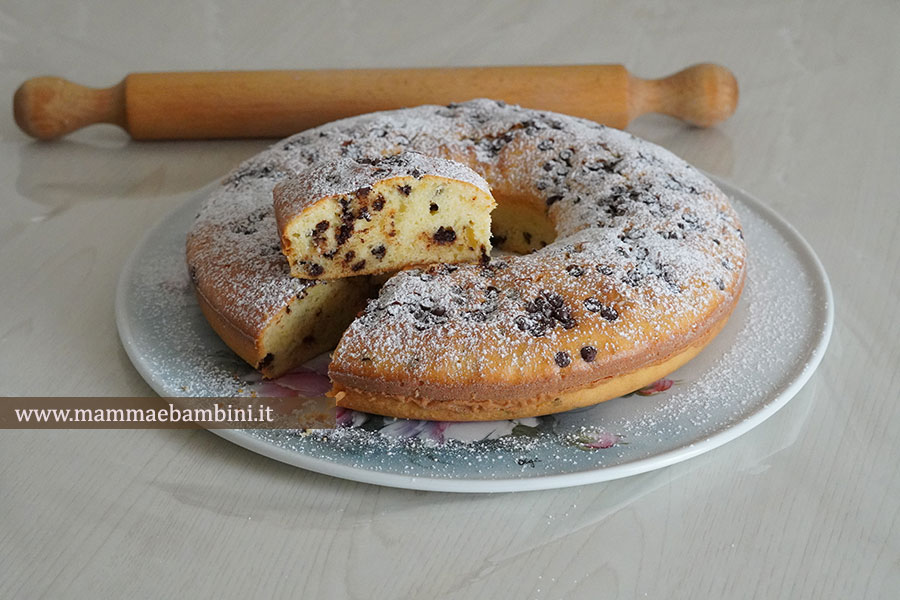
[{"x": 631, "y": 261}]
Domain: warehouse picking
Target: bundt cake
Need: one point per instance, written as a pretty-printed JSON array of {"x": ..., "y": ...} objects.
[{"x": 630, "y": 262}]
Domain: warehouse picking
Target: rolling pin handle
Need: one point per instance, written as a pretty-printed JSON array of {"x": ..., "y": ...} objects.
[
  {"x": 702, "y": 95},
  {"x": 50, "y": 107}
]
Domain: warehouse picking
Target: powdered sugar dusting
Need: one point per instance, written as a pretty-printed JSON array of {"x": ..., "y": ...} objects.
[
  {"x": 641, "y": 235},
  {"x": 347, "y": 175}
]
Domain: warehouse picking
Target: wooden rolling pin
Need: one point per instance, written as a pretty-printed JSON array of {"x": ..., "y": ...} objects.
[{"x": 242, "y": 104}]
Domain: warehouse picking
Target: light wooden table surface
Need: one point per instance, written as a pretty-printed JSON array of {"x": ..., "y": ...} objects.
[{"x": 805, "y": 506}]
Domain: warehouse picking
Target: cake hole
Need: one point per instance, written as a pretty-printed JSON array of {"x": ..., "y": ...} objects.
[{"x": 520, "y": 224}]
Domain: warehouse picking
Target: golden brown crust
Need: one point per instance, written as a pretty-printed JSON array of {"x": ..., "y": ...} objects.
[
  {"x": 241, "y": 343},
  {"x": 488, "y": 408},
  {"x": 527, "y": 398}
]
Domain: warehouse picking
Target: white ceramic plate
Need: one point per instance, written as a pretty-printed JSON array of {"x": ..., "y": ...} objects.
[{"x": 767, "y": 351}]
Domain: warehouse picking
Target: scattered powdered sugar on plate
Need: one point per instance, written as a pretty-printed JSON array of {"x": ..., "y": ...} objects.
[
  {"x": 761, "y": 353},
  {"x": 773, "y": 339}
]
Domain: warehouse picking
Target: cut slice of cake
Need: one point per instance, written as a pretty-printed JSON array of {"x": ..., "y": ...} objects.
[{"x": 344, "y": 217}]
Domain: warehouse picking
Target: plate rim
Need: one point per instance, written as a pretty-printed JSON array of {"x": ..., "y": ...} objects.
[{"x": 820, "y": 284}]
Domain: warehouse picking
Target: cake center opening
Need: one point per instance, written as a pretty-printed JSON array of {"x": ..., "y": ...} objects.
[{"x": 520, "y": 224}]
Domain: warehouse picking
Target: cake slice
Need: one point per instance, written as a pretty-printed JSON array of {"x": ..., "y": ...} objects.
[{"x": 346, "y": 217}]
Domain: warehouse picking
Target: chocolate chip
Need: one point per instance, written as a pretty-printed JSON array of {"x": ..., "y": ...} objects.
[
  {"x": 266, "y": 361},
  {"x": 544, "y": 312},
  {"x": 363, "y": 192},
  {"x": 592, "y": 304},
  {"x": 476, "y": 315},
  {"x": 633, "y": 278},
  {"x": 489, "y": 269},
  {"x": 609, "y": 313},
  {"x": 253, "y": 172},
  {"x": 444, "y": 235},
  {"x": 404, "y": 189},
  {"x": 498, "y": 240},
  {"x": 321, "y": 226},
  {"x": 669, "y": 277},
  {"x": 588, "y": 353},
  {"x": 358, "y": 266},
  {"x": 428, "y": 315},
  {"x": 574, "y": 270},
  {"x": 344, "y": 233},
  {"x": 527, "y": 237},
  {"x": 378, "y": 204},
  {"x": 553, "y": 299},
  {"x": 350, "y": 255},
  {"x": 244, "y": 229},
  {"x": 314, "y": 269},
  {"x": 563, "y": 359},
  {"x": 433, "y": 208},
  {"x": 537, "y": 328},
  {"x": 379, "y": 251}
]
